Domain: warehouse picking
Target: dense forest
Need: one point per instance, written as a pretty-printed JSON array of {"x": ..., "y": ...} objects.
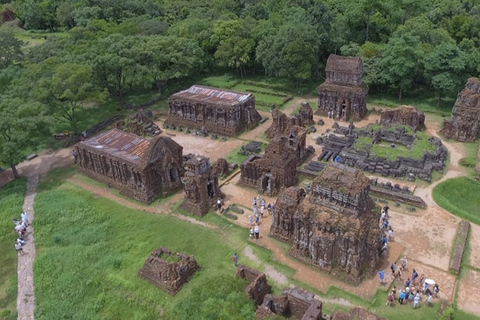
[{"x": 105, "y": 49}]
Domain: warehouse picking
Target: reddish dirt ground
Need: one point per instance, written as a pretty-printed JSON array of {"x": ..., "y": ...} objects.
[{"x": 469, "y": 292}]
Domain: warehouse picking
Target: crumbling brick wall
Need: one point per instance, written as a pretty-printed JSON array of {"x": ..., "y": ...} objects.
[
  {"x": 404, "y": 115},
  {"x": 168, "y": 271},
  {"x": 257, "y": 283},
  {"x": 463, "y": 126}
]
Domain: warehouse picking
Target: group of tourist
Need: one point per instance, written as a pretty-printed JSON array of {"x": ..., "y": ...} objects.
[
  {"x": 20, "y": 228},
  {"x": 413, "y": 290},
  {"x": 258, "y": 206}
]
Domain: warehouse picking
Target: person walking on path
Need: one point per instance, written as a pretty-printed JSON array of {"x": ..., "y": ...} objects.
[
  {"x": 381, "y": 276},
  {"x": 404, "y": 262},
  {"x": 235, "y": 259},
  {"x": 414, "y": 275},
  {"x": 393, "y": 267},
  {"x": 257, "y": 231},
  {"x": 18, "y": 247},
  {"x": 219, "y": 204},
  {"x": 250, "y": 219},
  {"x": 416, "y": 300},
  {"x": 390, "y": 299},
  {"x": 74, "y": 154},
  {"x": 24, "y": 216}
]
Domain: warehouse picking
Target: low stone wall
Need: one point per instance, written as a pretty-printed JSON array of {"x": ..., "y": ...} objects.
[
  {"x": 355, "y": 314},
  {"x": 257, "y": 287},
  {"x": 459, "y": 249},
  {"x": 397, "y": 196}
]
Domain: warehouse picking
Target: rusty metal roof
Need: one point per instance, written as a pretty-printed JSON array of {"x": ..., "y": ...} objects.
[
  {"x": 213, "y": 95},
  {"x": 127, "y": 146}
]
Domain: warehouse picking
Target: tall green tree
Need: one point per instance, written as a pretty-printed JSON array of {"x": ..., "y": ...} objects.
[
  {"x": 20, "y": 122},
  {"x": 401, "y": 59},
  {"x": 445, "y": 67},
  {"x": 10, "y": 48},
  {"x": 117, "y": 66}
]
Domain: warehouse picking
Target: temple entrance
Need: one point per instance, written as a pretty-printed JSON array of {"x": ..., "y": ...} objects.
[
  {"x": 173, "y": 174},
  {"x": 210, "y": 189},
  {"x": 266, "y": 185}
]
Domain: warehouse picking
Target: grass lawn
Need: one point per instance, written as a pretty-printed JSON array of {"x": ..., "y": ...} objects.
[
  {"x": 460, "y": 197},
  {"x": 11, "y": 201},
  {"x": 89, "y": 250}
]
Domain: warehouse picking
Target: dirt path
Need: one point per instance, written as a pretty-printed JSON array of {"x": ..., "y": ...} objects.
[{"x": 26, "y": 294}]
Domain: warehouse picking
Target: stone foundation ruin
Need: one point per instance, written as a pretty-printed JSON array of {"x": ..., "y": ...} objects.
[
  {"x": 404, "y": 115},
  {"x": 343, "y": 93},
  {"x": 282, "y": 123},
  {"x": 140, "y": 124},
  {"x": 294, "y": 303},
  {"x": 463, "y": 126},
  {"x": 201, "y": 186},
  {"x": 257, "y": 286},
  {"x": 364, "y": 159},
  {"x": 168, "y": 271},
  {"x": 213, "y": 110},
  {"x": 336, "y": 227},
  {"x": 142, "y": 169}
]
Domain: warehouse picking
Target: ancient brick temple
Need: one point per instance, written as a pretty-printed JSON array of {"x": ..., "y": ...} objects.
[
  {"x": 343, "y": 91},
  {"x": 168, "y": 271},
  {"x": 404, "y": 115},
  {"x": 217, "y": 110},
  {"x": 277, "y": 168},
  {"x": 463, "y": 126},
  {"x": 142, "y": 169},
  {"x": 201, "y": 186},
  {"x": 336, "y": 227}
]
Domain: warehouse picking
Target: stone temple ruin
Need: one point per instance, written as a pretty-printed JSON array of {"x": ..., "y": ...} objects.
[
  {"x": 142, "y": 169},
  {"x": 342, "y": 144},
  {"x": 404, "y": 115},
  {"x": 200, "y": 185},
  {"x": 277, "y": 168},
  {"x": 168, "y": 271},
  {"x": 343, "y": 91},
  {"x": 281, "y": 124},
  {"x": 336, "y": 227},
  {"x": 214, "y": 110},
  {"x": 463, "y": 126}
]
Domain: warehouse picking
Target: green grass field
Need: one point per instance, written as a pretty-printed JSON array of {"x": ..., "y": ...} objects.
[
  {"x": 460, "y": 197},
  {"x": 11, "y": 201},
  {"x": 425, "y": 101}
]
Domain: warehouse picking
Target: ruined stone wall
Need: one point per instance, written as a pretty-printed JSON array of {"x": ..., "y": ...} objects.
[
  {"x": 330, "y": 99},
  {"x": 282, "y": 227},
  {"x": 273, "y": 171},
  {"x": 257, "y": 287},
  {"x": 168, "y": 275},
  {"x": 220, "y": 119},
  {"x": 200, "y": 186},
  {"x": 463, "y": 125},
  {"x": 404, "y": 115},
  {"x": 294, "y": 302}
]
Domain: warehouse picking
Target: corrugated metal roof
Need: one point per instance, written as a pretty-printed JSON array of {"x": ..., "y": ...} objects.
[
  {"x": 213, "y": 95},
  {"x": 124, "y": 145}
]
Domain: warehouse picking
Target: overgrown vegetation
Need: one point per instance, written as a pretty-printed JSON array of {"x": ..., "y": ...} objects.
[{"x": 11, "y": 201}]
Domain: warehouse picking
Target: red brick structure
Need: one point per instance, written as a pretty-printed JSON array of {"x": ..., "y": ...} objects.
[
  {"x": 404, "y": 115},
  {"x": 201, "y": 186},
  {"x": 257, "y": 286},
  {"x": 336, "y": 227},
  {"x": 142, "y": 169},
  {"x": 168, "y": 271},
  {"x": 463, "y": 126},
  {"x": 217, "y": 110},
  {"x": 343, "y": 91},
  {"x": 277, "y": 168},
  {"x": 294, "y": 303}
]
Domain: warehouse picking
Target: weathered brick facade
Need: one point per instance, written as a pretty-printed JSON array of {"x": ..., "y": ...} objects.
[
  {"x": 217, "y": 110},
  {"x": 336, "y": 227},
  {"x": 343, "y": 91},
  {"x": 142, "y": 169}
]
